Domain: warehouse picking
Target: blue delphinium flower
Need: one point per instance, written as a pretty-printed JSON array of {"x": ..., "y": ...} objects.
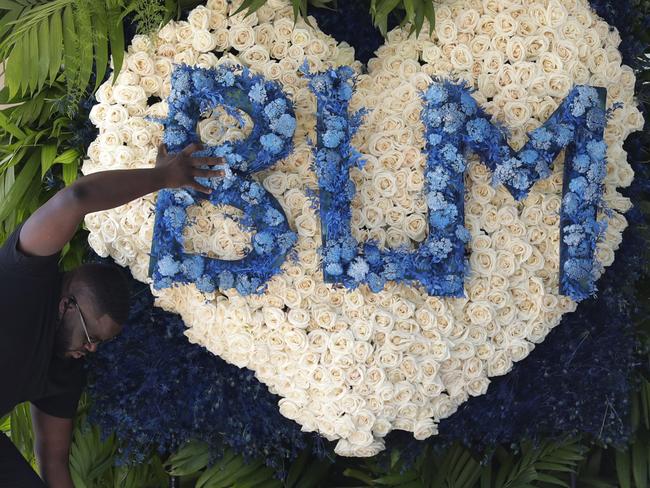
[
  {"x": 436, "y": 93},
  {"x": 332, "y": 138},
  {"x": 167, "y": 266},
  {"x": 192, "y": 267},
  {"x": 226, "y": 280},
  {"x": 271, "y": 143},
  {"x": 275, "y": 108},
  {"x": 573, "y": 234},
  {"x": 205, "y": 284},
  {"x": 542, "y": 138},
  {"x": 478, "y": 129},
  {"x": 358, "y": 269},
  {"x": 257, "y": 93},
  {"x": 175, "y": 216},
  {"x": 284, "y": 125},
  {"x": 596, "y": 149},
  {"x": 273, "y": 217},
  {"x": 225, "y": 77},
  {"x": 263, "y": 242}
]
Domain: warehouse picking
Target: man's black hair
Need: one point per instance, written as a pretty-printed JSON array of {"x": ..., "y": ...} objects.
[{"x": 109, "y": 287}]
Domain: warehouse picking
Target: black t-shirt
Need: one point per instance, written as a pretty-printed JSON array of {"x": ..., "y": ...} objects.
[{"x": 30, "y": 291}]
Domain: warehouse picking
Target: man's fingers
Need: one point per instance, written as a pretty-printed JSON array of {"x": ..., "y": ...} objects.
[
  {"x": 208, "y": 173},
  {"x": 210, "y": 161},
  {"x": 162, "y": 149},
  {"x": 198, "y": 186},
  {"x": 192, "y": 148}
]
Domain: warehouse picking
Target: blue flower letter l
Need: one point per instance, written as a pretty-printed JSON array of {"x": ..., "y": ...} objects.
[
  {"x": 196, "y": 91},
  {"x": 455, "y": 125}
]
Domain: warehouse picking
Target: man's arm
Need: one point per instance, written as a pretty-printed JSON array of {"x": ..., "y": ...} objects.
[
  {"x": 53, "y": 436},
  {"x": 48, "y": 229}
]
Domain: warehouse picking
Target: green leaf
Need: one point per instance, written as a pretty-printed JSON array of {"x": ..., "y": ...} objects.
[
  {"x": 297, "y": 468},
  {"x": 220, "y": 471},
  {"x": 623, "y": 468},
  {"x": 48, "y": 153},
  {"x": 14, "y": 70},
  {"x": 56, "y": 45},
  {"x": 640, "y": 464},
  {"x": 359, "y": 475},
  {"x": 385, "y": 7},
  {"x": 486, "y": 476},
  {"x": 85, "y": 35},
  {"x": 595, "y": 482},
  {"x": 190, "y": 459},
  {"x": 243, "y": 472},
  {"x": 116, "y": 38},
  {"x": 11, "y": 128},
  {"x": 43, "y": 52},
  {"x": 100, "y": 34},
  {"x": 315, "y": 474},
  {"x": 33, "y": 56},
  {"x": 20, "y": 186},
  {"x": 419, "y": 16},
  {"x": 409, "y": 7},
  {"x": 70, "y": 56},
  {"x": 70, "y": 173},
  {"x": 430, "y": 14},
  {"x": 68, "y": 156},
  {"x": 553, "y": 480}
]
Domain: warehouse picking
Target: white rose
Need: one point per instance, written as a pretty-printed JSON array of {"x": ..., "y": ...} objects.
[
  {"x": 415, "y": 227},
  {"x": 298, "y": 318},
  {"x": 478, "y": 386},
  {"x": 289, "y": 408},
  {"x": 140, "y": 63},
  {"x": 141, "y": 43},
  {"x": 241, "y": 37},
  {"x": 168, "y": 32},
  {"x": 203, "y": 40},
  {"x": 151, "y": 83},
  {"x": 424, "y": 429},
  {"x": 443, "y": 407},
  {"x": 114, "y": 115},
  {"x": 499, "y": 364},
  {"x": 199, "y": 17}
]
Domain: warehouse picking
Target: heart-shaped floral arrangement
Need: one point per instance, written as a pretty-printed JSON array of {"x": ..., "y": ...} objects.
[{"x": 355, "y": 364}]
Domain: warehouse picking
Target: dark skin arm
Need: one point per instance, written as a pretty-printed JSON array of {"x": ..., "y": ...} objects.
[
  {"x": 53, "y": 436},
  {"x": 52, "y": 226}
]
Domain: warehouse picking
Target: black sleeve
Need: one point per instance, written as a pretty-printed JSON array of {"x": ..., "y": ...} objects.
[
  {"x": 67, "y": 379},
  {"x": 63, "y": 406},
  {"x": 13, "y": 260}
]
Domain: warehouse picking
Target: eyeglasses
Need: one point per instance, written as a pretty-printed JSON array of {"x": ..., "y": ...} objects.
[{"x": 91, "y": 342}]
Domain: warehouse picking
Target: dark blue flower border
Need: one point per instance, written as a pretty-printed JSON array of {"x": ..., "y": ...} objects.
[
  {"x": 196, "y": 91},
  {"x": 455, "y": 124},
  {"x": 570, "y": 384}
]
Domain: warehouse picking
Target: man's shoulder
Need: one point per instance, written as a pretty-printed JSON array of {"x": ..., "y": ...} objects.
[{"x": 13, "y": 260}]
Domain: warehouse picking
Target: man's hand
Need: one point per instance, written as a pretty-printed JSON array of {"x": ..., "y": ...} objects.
[
  {"x": 48, "y": 229},
  {"x": 53, "y": 436},
  {"x": 180, "y": 169}
]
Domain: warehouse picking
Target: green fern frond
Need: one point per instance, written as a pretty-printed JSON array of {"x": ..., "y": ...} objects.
[{"x": 149, "y": 15}]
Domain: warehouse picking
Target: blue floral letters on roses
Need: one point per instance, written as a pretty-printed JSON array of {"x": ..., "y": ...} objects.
[
  {"x": 455, "y": 124},
  {"x": 196, "y": 91}
]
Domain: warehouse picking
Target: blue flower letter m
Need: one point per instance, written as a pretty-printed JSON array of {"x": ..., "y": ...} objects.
[
  {"x": 456, "y": 125},
  {"x": 196, "y": 91}
]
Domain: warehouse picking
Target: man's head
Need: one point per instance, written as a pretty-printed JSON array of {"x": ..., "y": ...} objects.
[{"x": 93, "y": 307}]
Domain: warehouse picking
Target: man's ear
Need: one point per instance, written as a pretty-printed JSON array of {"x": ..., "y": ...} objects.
[{"x": 64, "y": 303}]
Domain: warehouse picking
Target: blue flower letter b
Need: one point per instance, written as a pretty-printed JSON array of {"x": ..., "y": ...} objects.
[
  {"x": 456, "y": 125},
  {"x": 196, "y": 91}
]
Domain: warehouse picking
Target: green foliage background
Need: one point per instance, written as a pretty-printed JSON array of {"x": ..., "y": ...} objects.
[{"x": 55, "y": 52}]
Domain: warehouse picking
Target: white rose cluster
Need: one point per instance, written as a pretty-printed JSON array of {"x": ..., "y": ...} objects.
[{"x": 354, "y": 365}]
